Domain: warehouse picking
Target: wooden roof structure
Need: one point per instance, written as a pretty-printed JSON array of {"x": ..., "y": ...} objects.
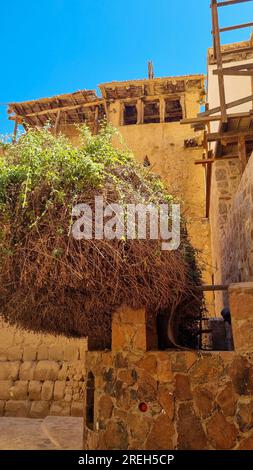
[
  {"x": 234, "y": 138},
  {"x": 84, "y": 106},
  {"x": 135, "y": 89},
  {"x": 72, "y": 108}
]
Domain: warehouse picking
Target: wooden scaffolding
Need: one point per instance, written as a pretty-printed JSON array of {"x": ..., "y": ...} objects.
[{"x": 234, "y": 138}]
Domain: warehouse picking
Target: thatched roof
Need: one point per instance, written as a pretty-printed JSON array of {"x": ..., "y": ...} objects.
[{"x": 71, "y": 108}]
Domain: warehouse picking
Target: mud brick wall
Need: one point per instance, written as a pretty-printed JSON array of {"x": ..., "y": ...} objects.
[{"x": 40, "y": 375}]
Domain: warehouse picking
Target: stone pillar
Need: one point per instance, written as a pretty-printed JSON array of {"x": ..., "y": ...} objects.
[
  {"x": 129, "y": 330},
  {"x": 241, "y": 308}
]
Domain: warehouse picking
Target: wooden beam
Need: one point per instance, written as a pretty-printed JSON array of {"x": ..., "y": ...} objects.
[
  {"x": 242, "y": 73},
  {"x": 240, "y": 70},
  {"x": 237, "y": 51},
  {"x": 205, "y": 161},
  {"x": 231, "y": 2},
  {"x": 232, "y": 104},
  {"x": 231, "y": 136},
  {"x": 242, "y": 151},
  {"x": 212, "y": 287},
  {"x": 238, "y": 26},
  {"x": 238, "y": 67},
  {"x": 206, "y": 119},
  {"x": 217, "y": 43}
]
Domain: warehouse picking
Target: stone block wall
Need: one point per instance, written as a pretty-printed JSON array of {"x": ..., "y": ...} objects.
[
  {"x": 231, "y": 219},
  {"x": 194, "y": 400},
  {"x": 40, "y": 375},
  {"x": 237, "y": 238}
]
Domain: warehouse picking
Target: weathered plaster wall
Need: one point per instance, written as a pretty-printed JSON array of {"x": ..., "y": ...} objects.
[
  {"x": 163, "y": 144},
  {"x": 40, "y": 375},
  {"x": 236, "y": 87},
  {"x": 194, "y": 400}
]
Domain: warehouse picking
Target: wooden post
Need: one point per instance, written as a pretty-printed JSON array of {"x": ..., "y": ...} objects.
[
  {"x": 242, "y": 151},
  {"x": 162, "y": 110},
  {"x": 139, "y": 112},
  {"x": 57, "y": 122},
  {"x": 14, "y": 138},
  {"x": 216, "y": 35},
  {"x": 150, "y": 70},
  {"x": 208, "y": 188},
  {"x": 96, "y": 120}
]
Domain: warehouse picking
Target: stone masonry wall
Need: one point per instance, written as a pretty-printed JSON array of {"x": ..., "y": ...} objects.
[
  {"x": 237, "y": 238},
  {"x": 194, "y": 400},
  {"x": 231, "y": 220},
  {"x": 40, "y": 375}
]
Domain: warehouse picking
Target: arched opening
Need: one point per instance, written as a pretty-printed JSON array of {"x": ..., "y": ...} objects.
[{"x": 90, "y": 395}]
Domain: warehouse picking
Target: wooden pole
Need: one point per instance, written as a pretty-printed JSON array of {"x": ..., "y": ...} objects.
[
  {"x": 231, "y": 2},
  {"x": 150, "y": 70},
  {"x": 217, "y": 43},
  {"x": 242, "y": 151},
  {"x": 96, "y": 120},
  {"x": 57, "y": 122},
  {"x": 14, "y": 138}
]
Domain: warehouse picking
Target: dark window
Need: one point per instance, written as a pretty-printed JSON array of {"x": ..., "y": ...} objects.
[
  {"x": 173, "y": 111},
  {"x": 151, "y": 112},
  {"x": 130, "y": 114},
  {"x": 90, "y": 392}
]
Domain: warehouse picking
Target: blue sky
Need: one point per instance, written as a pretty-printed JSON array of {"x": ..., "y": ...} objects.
[{"x": 59, "y": 46}]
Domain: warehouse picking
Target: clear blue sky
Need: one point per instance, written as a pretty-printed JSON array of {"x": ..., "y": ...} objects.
[{"x": 57, "y": 46}]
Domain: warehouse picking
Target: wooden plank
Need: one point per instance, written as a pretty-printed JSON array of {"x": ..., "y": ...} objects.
[
  {"x": 231, "y": 2},
  {"x": 213, "y": 287},
  {"x": 232, "y": 104},
  {"x": 242, "y": 151},
  {"x": 217, "y": 43},
  {"x": 205, "y": 161},
  {"x": 238, "y": 26}
]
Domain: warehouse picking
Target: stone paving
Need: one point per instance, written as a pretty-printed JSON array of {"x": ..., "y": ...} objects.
[{"x": 51, "y": 433}]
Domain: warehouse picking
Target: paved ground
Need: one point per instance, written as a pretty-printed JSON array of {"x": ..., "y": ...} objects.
[{"x": 51, "y": 433}]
